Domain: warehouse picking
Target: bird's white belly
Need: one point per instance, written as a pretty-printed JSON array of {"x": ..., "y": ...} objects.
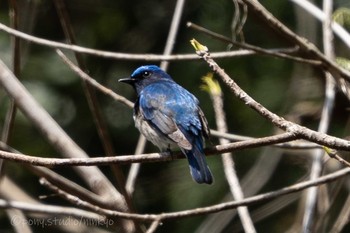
[{"x": 162, "y": 142}]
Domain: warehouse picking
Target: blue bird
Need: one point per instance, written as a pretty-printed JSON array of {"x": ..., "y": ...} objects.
[{"x": 169, "y": 116}]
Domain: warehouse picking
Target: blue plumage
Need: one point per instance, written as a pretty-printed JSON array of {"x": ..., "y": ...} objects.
[{"x": 169, "y": 116}]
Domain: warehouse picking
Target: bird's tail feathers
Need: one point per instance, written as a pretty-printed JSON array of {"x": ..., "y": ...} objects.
[{"x": 199, "y": 169}]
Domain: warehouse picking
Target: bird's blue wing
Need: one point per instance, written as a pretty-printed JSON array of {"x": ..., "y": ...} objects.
[
  {"x": 161, "y": 104},
  {"x": 174, "y": 111}
]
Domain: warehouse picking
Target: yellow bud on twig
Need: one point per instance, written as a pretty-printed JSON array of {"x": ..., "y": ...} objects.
[
  {"x": 200, "y": 49},
  {"x": 210, "y": 84}
]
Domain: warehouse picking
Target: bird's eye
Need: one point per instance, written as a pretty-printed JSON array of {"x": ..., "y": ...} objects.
[{"x": 146, "y": 74}]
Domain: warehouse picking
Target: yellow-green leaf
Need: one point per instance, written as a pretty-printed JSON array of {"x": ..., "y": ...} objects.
[
  {"x": 200, "y": 49},
  {"x": 342, "y": 16},
  {"x": 210, "y": 84},
  {"x": 343, "y": 62}
]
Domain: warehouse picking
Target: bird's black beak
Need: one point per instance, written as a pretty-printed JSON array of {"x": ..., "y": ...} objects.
[{"x": 127, "y": 80}]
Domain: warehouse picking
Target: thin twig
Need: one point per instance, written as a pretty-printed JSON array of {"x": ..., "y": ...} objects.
[
  {"x": 63, "y": 183},
  {"x": 51, "y": 209},
  {"x": 90, "y": 95},
  {"x": 169, "y": 45},
  {"x": 252, "y": 47},
  {"x": 229, "y": 166},
  {"x": 93, "y": 82},
  {"x": 135, "y": 167},
  {"x": 174, "y": 27},
  {"x": 16, "y": 67},
  {"x": 153, "y": 227},
  {"x": 127, "y": 56},
  {"x": 333, "y": 154},
  {"x": 37, "y": 208},
  {"x": 259, "y": 174},
  {"x": 295, "y": 129},
  {"x": 73, "y": 199},
  {"x": 235, "y": 20},
  {"x": 69, "y": 186},
  {"x": 302, "y": 145},
  {"x": 317, "y": 13},
  {"x": 55, "y": 135},
  {"x": 48, "y": 161},
  {"x": 316, "y": 168},
  {"x": 306, "y": 46}
]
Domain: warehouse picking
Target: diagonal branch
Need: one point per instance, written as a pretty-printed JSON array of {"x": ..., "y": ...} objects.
[
  {"x": 317, "y": 13},
  {"x": 288, "y": 126},
  {"x": 216, "y": 95},
  {"x": 56, "y": 136},
  {"x": 49, "y": 209},
  {"x": 304, "y": 45},
  {"x": 90, "y": 94},
  {"x": 128, "y": 56}
]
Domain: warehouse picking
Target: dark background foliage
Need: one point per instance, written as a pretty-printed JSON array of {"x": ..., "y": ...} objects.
[{"x": 287, "y": 88}]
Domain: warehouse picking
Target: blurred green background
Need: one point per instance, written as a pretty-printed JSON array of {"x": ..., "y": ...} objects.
[{"x": 289, "y": 89}]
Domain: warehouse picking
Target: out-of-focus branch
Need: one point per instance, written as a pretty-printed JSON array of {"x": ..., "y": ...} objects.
[
  {"x": 61, "y": 182},
  {"x": 153, "y": 227},
  {"x": 128, "y": 56},
  {"x": 213, "y": 87},
  {"x": 317, "y": 13},
  {"x": 16, "y": 67},
  {"x": 169, "y": 45},
  {"x": 174, "y": 27},
  {"x": 56, "y": 136},
  {"x": 317, "y": 165},
  {"x": 128, "y": 103},
  {"x": 37, "y": 208},
  {"x": 343, "y": 217},
  {"x": 297, "y": 130},
  {"x": 307, "y": 47},
  {"x": 93, "y": 82},
  {"x": 21, "y": 218},
  {"x": 258, "y": 50},
  {"x": 302, "y": 145},
  {"x": 50, "y": 209},
  {"x": 90, "y": 94}
]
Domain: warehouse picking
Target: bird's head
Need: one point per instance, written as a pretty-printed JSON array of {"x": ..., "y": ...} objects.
[{"x": 145, "y": 75}]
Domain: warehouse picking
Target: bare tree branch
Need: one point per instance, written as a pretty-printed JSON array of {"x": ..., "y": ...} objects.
[
  {"x": 128, "y": 56},
  {"x": 104, "y": 202},
  {"x": 94, "y": 106},
  {"x": 300, "y": 144},
  {"x": 295, "y": 129},
  {"x": 153, "y": 227},
  {"x": 152, "y": 157},
  {"x": 93, "y": 82},
  {"x": 313, "y": 10},
  {"x": 259, "y": 50},
  {"x": 115, "y": 55},
  {"x": 317, "y": 165},
  {"x": 127, "y": 159},
  {"x": 55, "y": 135},
  {"x": 48, "y": 209},
  {"x": 229, "y": 166}
]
